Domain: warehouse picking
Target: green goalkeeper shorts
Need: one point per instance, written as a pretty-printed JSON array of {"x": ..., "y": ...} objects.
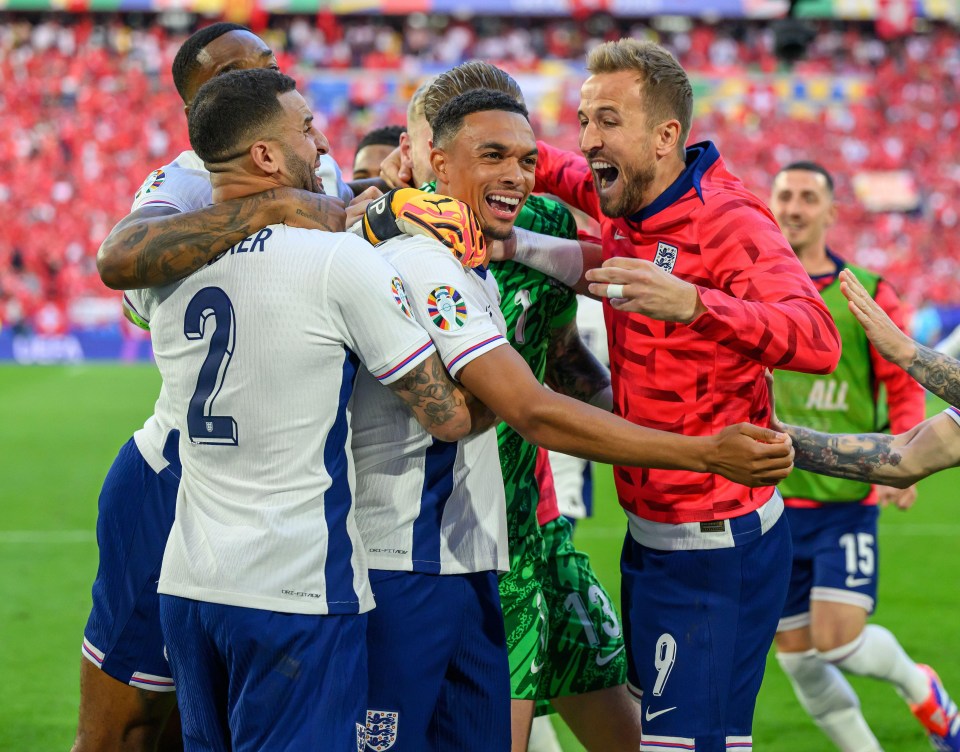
[
  {"x": 585, "y": 648},
  {"x": 525, "y": 615}
]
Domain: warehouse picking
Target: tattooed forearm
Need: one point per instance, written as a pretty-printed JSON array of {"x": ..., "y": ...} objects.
[
  {"x": 430, "y": 393},
  {"x": 572, "y": 369},
  {"x": 156, "y": 247},
  {"x": 148, "y": 251},
  {"x": 937, "y": 372},
  {"x": 869, "y": 457}
]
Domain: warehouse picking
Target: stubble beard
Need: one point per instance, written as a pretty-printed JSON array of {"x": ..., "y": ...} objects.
[{"x": 635, "y": 184}]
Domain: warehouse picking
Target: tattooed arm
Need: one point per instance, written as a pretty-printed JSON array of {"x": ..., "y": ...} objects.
[
  {"x": 935, "y": 371},
  {"x": 442, "y": 407},
  {"x": 899, "y": 461},
  {"x": 574, "y": 371},
  {"x": 157, "y": 245}
]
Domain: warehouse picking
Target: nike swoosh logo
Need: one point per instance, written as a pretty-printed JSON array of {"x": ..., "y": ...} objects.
[
  {"x": 603, "y": 660},
  {"x": 857, "y": 581},
  {"x": 650, "y": 716},
  {"x": 619, "y": 236}
]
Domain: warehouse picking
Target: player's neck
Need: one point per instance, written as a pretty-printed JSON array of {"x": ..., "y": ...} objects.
[
  {"x": 668, "y": 170},
  {"x": 815, "y": 260},
  {"x": 230, "y": 185}
]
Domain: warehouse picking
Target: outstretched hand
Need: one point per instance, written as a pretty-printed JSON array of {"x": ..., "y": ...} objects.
[
  {"x": 751, "y": 456},
  {"x": 890, "y": 342}
]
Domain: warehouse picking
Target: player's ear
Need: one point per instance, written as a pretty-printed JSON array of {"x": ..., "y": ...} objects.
[
  {"x": 668, "y": 137},
  {"x": 266, "y": 157},
  {"x": 439, "y": 163},
  {"x": 832, "y": 213}
]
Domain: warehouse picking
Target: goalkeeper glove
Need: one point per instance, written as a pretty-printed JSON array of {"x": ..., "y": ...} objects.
[{"x": 413, "y": 212}]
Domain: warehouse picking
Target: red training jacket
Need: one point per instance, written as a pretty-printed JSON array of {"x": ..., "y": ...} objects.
[{"x": 762, "y": 311}]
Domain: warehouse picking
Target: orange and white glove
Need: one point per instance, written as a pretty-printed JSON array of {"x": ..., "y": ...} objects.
[{"x": 413, "y": 212}]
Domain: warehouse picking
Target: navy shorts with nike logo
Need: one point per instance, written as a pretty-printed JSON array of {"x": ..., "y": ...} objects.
[
  {"x": 835, "y": 558},
  {"x": 699, "y": 621}
]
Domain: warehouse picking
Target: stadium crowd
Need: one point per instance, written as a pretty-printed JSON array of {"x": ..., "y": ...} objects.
[{"x": 87, "y": 109}]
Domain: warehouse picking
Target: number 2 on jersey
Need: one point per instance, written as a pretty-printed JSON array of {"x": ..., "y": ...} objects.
[{"x": 211, "y": 307}]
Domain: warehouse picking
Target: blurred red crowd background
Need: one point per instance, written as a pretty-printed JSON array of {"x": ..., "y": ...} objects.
[{"x": 89, "y": 109}]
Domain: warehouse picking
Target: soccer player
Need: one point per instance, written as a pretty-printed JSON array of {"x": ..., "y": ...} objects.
[
  {"x": 833, "y": 587},
  {"x": 373, "y": 148},
  {"x": 899, "y": 460},
  {"x": 563, "y": 631},
  {"x": 704, "y": 292},
  {"x": 564, "y": 635},
  {"x": 264, "y": 584},
  {"x": 448, "y": 681},
  {"x": 125, "y": 683}
]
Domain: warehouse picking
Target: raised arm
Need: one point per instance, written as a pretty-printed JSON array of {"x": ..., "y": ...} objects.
[
  {"x": 502, "y": 380},
  {"x": 157, "y": 245},
  {"x": 758, "y": 300},
  {"x": 898, "y": 461},
  {"x": 937, "y": 372}
]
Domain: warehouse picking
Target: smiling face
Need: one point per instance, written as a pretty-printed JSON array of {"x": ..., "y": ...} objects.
[
  {"x": 235, "y": 50},
  {"x": 802, "y": 203},
  {"x": 301, "y": 144},
  {"x": 618, "y": 140},
  {"x": 490, "y": 164}
]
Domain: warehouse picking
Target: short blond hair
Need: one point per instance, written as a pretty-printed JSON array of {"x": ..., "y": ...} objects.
[
  {"x": 665, "y": 82},
  {"x": 415, "y": 106},
  {"x": 465, "y": 77}
]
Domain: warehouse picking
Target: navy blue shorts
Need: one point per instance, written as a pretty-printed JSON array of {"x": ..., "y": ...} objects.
[
  {"x": 135, "y": 515},
  {"x": 835, "y": 559},
  {"x": 250, "y": 680},
  {"x": 439, "y": 676},
  {"x": 699, "y": 624}
]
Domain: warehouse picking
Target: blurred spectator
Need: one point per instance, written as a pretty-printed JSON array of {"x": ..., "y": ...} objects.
[{"x": 88, "y": 109}]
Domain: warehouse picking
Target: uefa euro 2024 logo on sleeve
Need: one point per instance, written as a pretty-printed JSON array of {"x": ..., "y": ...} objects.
[{"x": 447, "y": 308}]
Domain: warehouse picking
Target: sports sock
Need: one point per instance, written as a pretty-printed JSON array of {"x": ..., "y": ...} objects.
[
  {"x": 543, "y": 738},
  {"x": 827, "y": 696},
  {"x": 877, "y": 653}
]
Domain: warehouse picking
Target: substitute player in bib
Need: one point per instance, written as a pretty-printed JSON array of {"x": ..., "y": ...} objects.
[
  {"x": 264, "y": 582},
  {"x": 125, "y": 683},
  {"x": 833, "y": 521},
  {"x": 705, "y": 293},
  {"x": 438, "y": 668}
]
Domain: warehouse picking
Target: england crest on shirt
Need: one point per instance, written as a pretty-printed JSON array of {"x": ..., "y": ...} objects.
[
  {"x": 381, "y": 729},
  {"x": 666, "y": 256}
]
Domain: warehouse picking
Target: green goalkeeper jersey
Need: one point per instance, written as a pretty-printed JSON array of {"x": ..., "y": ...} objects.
[{"x": 533, "y": 305}]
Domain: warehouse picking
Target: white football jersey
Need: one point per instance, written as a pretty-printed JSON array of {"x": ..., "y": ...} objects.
[
  {"x": 425, "y": 505},
  {"x": 183, "y": 184},
  {"x": 258, "y": 353}
]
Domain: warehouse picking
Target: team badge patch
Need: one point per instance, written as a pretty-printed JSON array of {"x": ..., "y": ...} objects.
[
  {"x": 381, "y": 729},
  {"x": 447, "y": 308},
  {"x": 400, "y": 295},
  {"x": 361, "y": 737},
  {"x": 666, "y": 256},
  {"x": 153, "y": 181}
]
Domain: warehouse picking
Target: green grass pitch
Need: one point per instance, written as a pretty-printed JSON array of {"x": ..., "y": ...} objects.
[{"x": 60, "y": 428}]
